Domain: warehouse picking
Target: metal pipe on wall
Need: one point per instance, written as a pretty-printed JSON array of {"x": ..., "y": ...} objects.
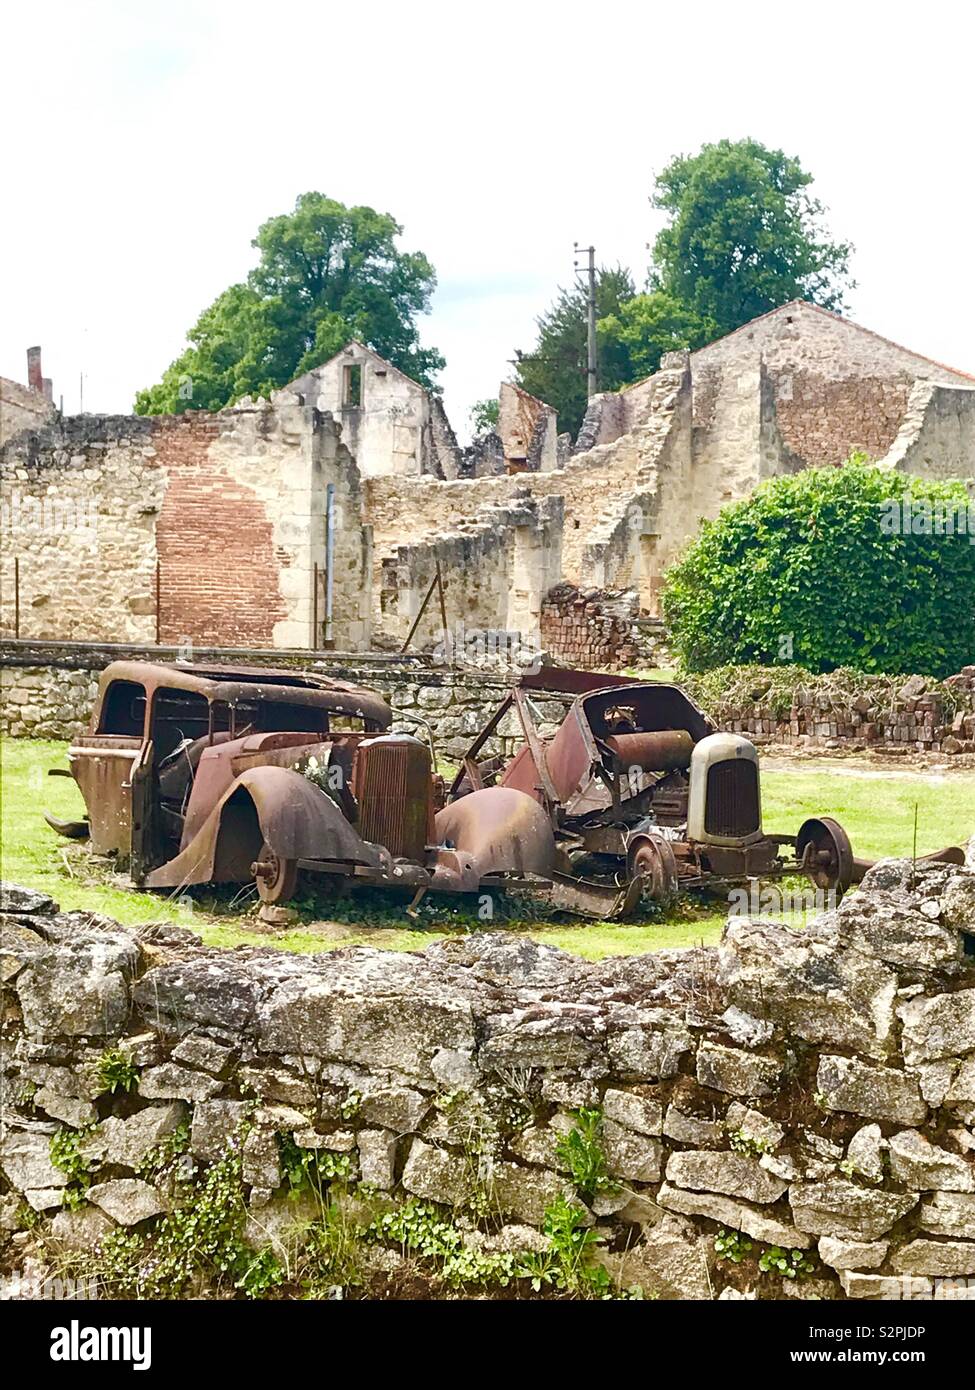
[{"x": 329, "y": 561}]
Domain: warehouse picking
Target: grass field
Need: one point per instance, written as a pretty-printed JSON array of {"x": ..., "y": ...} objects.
[{"x": 877, "y": 810}]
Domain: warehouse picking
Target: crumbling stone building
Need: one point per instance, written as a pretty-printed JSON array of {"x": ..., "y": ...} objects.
[
  {"x": 25, "y": 407},
  {"x": 325, "y": 514}
]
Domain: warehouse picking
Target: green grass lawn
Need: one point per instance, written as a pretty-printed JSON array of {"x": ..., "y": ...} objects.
[{"x": 877, "y": 811}]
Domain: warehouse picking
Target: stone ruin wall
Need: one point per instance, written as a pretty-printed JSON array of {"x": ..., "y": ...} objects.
[
  {"x": 21, "y": 408},
  {"x": 837, "y": 387},
  {"x": 936, "y": 436},
  {"x": 494, "y": 569},
  {"x": 80, "y": 502},
  {"x": 230, "y": 506},
  {"x": 812, "y": 1090},
  {"x": 632, "y": 545}
]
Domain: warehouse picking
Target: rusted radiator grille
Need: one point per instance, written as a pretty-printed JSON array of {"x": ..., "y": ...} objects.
[
  {"x": 732, "y": 798},
  {"x": 392, "y": 786}
]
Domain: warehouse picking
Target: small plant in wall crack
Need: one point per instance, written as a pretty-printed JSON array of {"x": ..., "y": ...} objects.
[
  {"x": 165, "y": 1157},
  {"x": 351, "y": 1105},
  {"x": 744, "y": 1143},
  {"x": 67, "y": 1158},
  {"x": 311, "y": 1170},
  {"x": 732, "y": 1245},
  {"x": 114, "y": 1071},
  {"x": 791, "y": 1264},
  {"x": 581, "y": 1151}
]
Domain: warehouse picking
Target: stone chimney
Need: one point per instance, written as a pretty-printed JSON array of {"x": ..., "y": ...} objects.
[{"x": 36, "y": 379}]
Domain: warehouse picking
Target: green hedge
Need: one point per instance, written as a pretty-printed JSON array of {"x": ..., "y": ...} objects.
[{"x": 850, "y": 566}]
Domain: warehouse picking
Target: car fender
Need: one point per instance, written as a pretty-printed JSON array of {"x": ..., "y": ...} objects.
[
  {"x": 272, "y": 805},
  {"x": 498, "y": 830}
]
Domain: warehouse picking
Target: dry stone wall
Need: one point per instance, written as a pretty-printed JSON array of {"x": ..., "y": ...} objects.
[
  {"x": 48, "y": 690},
  {"x": 914, "y": 716},
  {"x": 812, "y": 1090}
]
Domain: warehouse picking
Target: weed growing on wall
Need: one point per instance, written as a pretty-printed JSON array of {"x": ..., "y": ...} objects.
[
  {"x": 582, "y": 1153},
  {"x": 114, "y": 1071}
]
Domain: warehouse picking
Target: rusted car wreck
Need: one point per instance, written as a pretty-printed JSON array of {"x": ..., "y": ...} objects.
[
  {"x": 239, "y": 775},
  {"x": 645, "y": 798},
  {"x": 197, "y": 774}
]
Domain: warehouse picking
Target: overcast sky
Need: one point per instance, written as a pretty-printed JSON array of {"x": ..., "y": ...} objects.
[{"x": 144, "y": 143}]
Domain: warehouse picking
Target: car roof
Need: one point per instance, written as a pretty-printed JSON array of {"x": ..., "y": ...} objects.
[{"x": 270, "y": 685}]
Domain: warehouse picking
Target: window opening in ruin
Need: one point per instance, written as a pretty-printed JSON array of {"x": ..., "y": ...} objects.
[{"x": 352, "y": 386}]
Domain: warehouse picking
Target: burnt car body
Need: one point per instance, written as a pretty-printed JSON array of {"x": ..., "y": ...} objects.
[
  {"x": 646, "y": 797},
  {"x": 196, "y": 774}
]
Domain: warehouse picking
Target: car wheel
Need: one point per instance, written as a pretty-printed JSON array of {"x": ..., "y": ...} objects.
[{"x": 276, "y": 877}]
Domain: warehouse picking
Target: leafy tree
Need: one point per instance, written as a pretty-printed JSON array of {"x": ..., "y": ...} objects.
[
  {"x": 555, "y": 370},
  {"x": 819, "y": 568},
  {"x": 649, "y": 325},
  {"x": 744, "y": 235},
  {"x": 483, "y": 416},
  {"x": 326, "y": 273}
]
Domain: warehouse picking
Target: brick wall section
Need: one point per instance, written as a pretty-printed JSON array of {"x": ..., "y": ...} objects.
[
  {"x": 217, "y": 563},
  {"x": 578, "y": 631},
  {"x": 823, "y": 421},
  {"x": 917, "y": 721}
]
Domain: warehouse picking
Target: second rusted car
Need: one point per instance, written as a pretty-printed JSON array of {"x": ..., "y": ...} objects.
[{"x": 646, "y": 798}]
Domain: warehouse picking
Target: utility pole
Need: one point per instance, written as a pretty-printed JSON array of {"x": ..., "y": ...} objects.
[{"x": 590, "y": 317}]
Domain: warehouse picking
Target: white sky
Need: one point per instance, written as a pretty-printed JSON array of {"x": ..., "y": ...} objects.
[{"x": 145, "y": 143}]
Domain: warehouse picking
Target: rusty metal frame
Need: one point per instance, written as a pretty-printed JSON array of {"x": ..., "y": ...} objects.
[{"x": 469, "y": 762}]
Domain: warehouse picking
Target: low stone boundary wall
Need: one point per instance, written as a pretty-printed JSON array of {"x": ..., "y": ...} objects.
[
  {"x": 914, "y": 716},
  {"x": 805, "y": 1097},
  {"x": 47, "y": 690}
]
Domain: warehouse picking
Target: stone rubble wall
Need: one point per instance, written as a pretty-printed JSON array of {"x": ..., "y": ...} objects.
[
  {"x": 837, "y": 387},
  {"x": 21, "y": 408},
  {"x": 811, "y": 1089},
  {"x": 916, "y": 719},
  {"x": 935, "y": 437},
  {"x": 495, "y": 568},
  {"x": 206, "y": 526}
]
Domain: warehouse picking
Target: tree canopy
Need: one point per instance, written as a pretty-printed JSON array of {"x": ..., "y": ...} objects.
[
  {"x": 852, "y": 566},
  {"x": 326, "y": 273},
  {"x": 743, "y": 236}
]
